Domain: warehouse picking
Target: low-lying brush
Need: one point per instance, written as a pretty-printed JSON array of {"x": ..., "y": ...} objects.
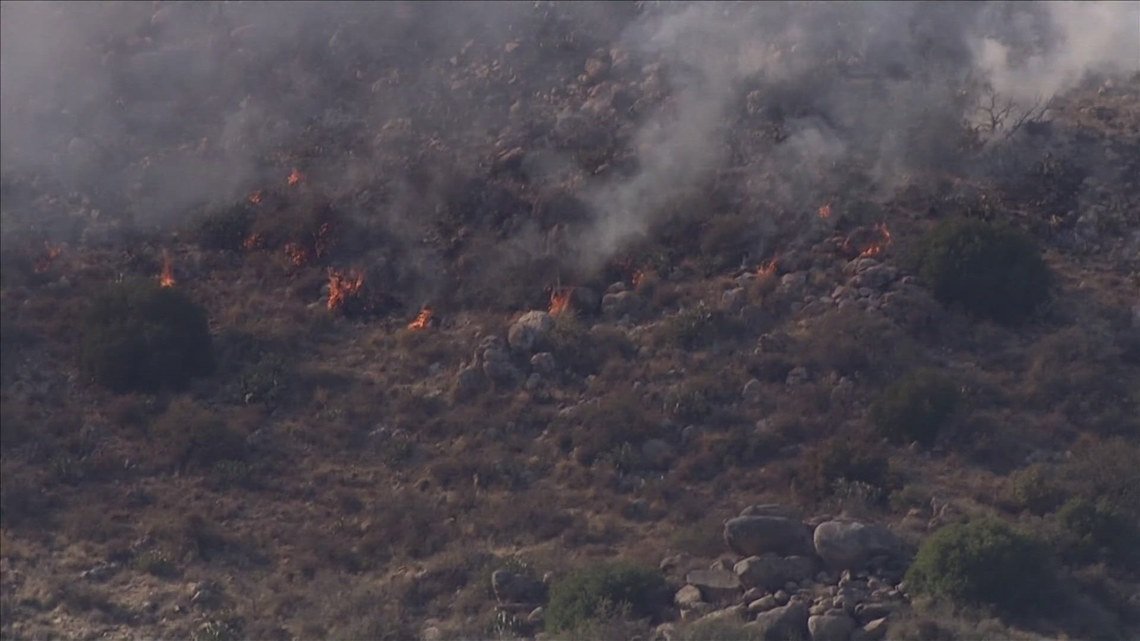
[
  {"x": 916, "y": 407},
  {"x": 601, "y": 590}
]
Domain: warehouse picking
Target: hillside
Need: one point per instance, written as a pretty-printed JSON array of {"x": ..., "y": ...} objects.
[{"x": 497, "y": 293}]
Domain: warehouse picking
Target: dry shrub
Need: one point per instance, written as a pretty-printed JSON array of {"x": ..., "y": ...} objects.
[
  {"x": 855, "y": 343},
  {"x": 616, "y": 418},
  {"x": 192, "y": 436},
  {"x": 916, "y": 407},
  {"x": 843, "y": 461}
]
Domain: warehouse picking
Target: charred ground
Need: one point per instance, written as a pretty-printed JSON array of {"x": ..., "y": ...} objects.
[{"x": 368, "y": 206}]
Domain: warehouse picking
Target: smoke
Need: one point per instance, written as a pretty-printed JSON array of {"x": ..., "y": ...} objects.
[{"x": 153, "y": 110}]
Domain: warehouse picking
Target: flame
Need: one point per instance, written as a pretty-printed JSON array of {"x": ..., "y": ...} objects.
[
  {"x": 253, "y": 241},
  {"x": 295, "y": 177},
  {"x": 877, "y": 248},
  {"x": 423, "y": 320},
  {"x": 166, "y": 278},
  {"x": 343, "y": 286},
  {"x": 298, "y": 254},
  {"x": 255, "y": 198},
  {"x": 638, "y": 278},
  {"x": 560, "y": 300},
  {"x": 769, "y": 268},
  {"x": 51, "y": 252},
  {"x": 825, "y": 211}
]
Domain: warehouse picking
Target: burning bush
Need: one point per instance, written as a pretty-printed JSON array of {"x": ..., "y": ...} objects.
[
  {"x": 601, "y": 590},
  {"x": 139, "y": 336},
  {"x": 916, "y": 407},
  {"x": 991, "y": 270},
  {"x": 984, "y": 562}
]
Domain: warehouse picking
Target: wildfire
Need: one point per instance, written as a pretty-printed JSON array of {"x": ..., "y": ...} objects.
[
  {"x": 253, "y": 241},
  {"x": 298, "y": 254},
  {"x": 166, "y": 278},
  {"x": 877, "y": 248},
  {"x": 51, "y": 252},
  {"x": 769, "y": 268},
  {"x": 255, "y": 198},
  {"x": 343, "y": 286},
  {"x": 637, "y": 278},
  {"x": 560, "y": 300},
  {"x": 295, "y": 177},
  {"x": 825, "y": 211},
  {"x": 423, "y": 320}
]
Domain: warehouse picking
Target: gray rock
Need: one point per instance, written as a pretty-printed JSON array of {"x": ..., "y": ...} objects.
[
  {"x": 779, "y": 624},
  {"x": 752, "y": 390},
  {"x": 732, "y": 612},
  {"x": 770, "y": 509},
  {"x": 621, "y": 304},
  {"x": 757, "y": 535},
  {"x": 529, "y": 330},
  {"x": 763, "y": 604},
  {"x": 771, "y": 572},
  {"x": 536, "y": 616},
  {"x": 797, "y": 376},
  {"x": 516, "y": 588},
  {"x": 866, "y": 612},
  {"x": 733, "y": 299},
  {"x": 782, "y": 597},
  {"x": 687, "y": 597},
  {"x": 850, "y": 544},
  {"x": 828, "y": 627},
  {"x": 543, "y": 363},
  {"x": 657, "y": 454},
  {"x": 716, "y": 585},
  {"x": 872, "y": 631}
]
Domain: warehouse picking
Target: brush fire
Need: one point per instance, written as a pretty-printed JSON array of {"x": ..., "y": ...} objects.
[
  {"x": 825, "y": 211},
  {"x": 560, "y": 300},
  {"x": 295, "y": 178},
  {"x": 255, "y": 198},
  {"x": 423, "y": 320},
  {"x": 769, "y": 268},
  {"x": 166, "y": 278},
  {"x": 51, "y": 252},
  {"x": 344, "y": 287},
  {"x": 880, "y": 246}
]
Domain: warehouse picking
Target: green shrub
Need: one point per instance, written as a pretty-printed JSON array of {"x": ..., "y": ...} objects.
[
  {"x": 983, "y": 562},
  {"x": 600, "y": 590},
  {"x": 1034, "y": 489},
  {"x": 916, "y": 407},
  {"x": 142, "y": 337},
  {"x": 224, "y": 229},
  {"x": 991, "y": 270},
  {"x": 1098, "y": 529},
  {"x": 838, "y": 462}
]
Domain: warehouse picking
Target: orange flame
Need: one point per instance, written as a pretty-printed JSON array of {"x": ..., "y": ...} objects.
[
  {"x": 253, "y": 241},
  {"x": 343, "y": 286},
  {"x": 638, "y": 278},
  {"x": 825, "y": 211},
  {"x": 877, "y": 248},
  {"x": 423, "y": 320},
  {"x": 560, "y": 300},
  {"x": 298, "y": 254},
  {"x": 295, "y": 177},
  {"x": 769, "y": 268},
  {"x": 255, "y": 198},
  {"x": 166, "y": 279},
  {"x": 51, "y": 252}
]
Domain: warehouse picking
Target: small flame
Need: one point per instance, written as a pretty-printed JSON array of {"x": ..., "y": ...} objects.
[
  {"x": 298, "y": 254},
  {"x": 253, "y": 241},
  {"x": 825, "y": 211},
  {"x": 343, "y": 286},
  {"x": 769, "y": 268},
  {"x": 295, "y": 177},
  {"x": 638, "y": 278},
  {"x": 877, "y": 248},
  {"x": 423, "y": 320},
  {"x": 166, "y": 279},
  {"x": 560, "y": 300},
  {"x": 255, "y": 198},
  {"x": 51, "y": 252}
]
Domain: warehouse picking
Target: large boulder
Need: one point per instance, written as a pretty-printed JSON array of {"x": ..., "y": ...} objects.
[
  {"x": 830, "y": 627},
  {"x": 618, "y": 305},
  {"x": 516, "y": 588},
  {"x": 771, "y": 572},
  {"x": 779, "y": 624},
  {"x": 716, "y": 585},
  {"x": 758, "y": 535},
  {"x": 529, "y": 331},
  {"x": 848, "y": 545}
]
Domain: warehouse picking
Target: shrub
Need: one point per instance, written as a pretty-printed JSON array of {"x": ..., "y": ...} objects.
[
  {"x": 838, "y": 462},
  {"x": 192, "y": 436},
  {"x": 1097, "y": 528},
  {"x": 991, "y": 270},
  {"x": 853, "y": 343},
  {"x": 224, "y": 229},
  {"x": 142, "y": 337},
  {"x": 982, "y": 562},
  {"x": 602, "y": 589},
  {"x": 1034, "y": 490},
  {"x": 916, "y": 407}
]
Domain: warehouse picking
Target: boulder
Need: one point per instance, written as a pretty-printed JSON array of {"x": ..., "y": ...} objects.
[
  {"x": 621, "y": 304},
  {"x": 529, "y": 331},
  {"x": 771, "y": 572},
  {"x": 715, "y": 585},
  {"x": 872, "y": 631},
  {"x": 657, "y": 454},
  {"x": 848, "y": 545},
  {"x": 688, "y": 597},
  {"x": 779, "y": 624},
  {"x": 509, "y": 587},
  {"x": 830, "y": 627},
  {"x": 757, "y": 535}
]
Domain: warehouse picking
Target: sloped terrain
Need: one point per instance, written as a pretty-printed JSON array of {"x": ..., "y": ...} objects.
[{"x": 511, "y": 291}]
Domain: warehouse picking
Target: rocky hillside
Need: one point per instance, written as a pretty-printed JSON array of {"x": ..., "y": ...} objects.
[{"x": 569, "y": 321}]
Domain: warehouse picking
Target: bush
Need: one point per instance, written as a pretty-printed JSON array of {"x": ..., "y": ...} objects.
[
  {"x": 983, "y": 562},
  {"x": 838, "y": 462},
  {"x": 991, "y": 270},
  {"x": 1035, "y": 489},
  {"x": 192, "y": 436},
  {"x": 142, "y": 337},
  {"x": 916, "y": 407},
  {"x": 600, "y": 590},
  {"x": 224, "y": 229},
  {"x": 1097, "y": 529}
]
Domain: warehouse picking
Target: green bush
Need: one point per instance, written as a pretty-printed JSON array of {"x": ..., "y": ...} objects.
[
  {"x": 224, "y": 229},
  {"x": 838, "y": 462},
  {"x": 601, "y": 590},
  {"x": 983, "y": 562},
  {"x": 1098, "y": 529},
  {"x": 916, "y": 407},
  {"x": 1035, "y": 489},
  {"x": 142, "y": 337},
  {"x": 990, "y": 270}
]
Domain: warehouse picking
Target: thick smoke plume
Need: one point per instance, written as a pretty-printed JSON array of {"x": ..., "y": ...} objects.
[{"x": 154, "y": 111}]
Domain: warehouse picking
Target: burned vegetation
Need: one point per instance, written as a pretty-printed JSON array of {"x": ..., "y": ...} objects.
[{"x": 569, "y": 320}]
